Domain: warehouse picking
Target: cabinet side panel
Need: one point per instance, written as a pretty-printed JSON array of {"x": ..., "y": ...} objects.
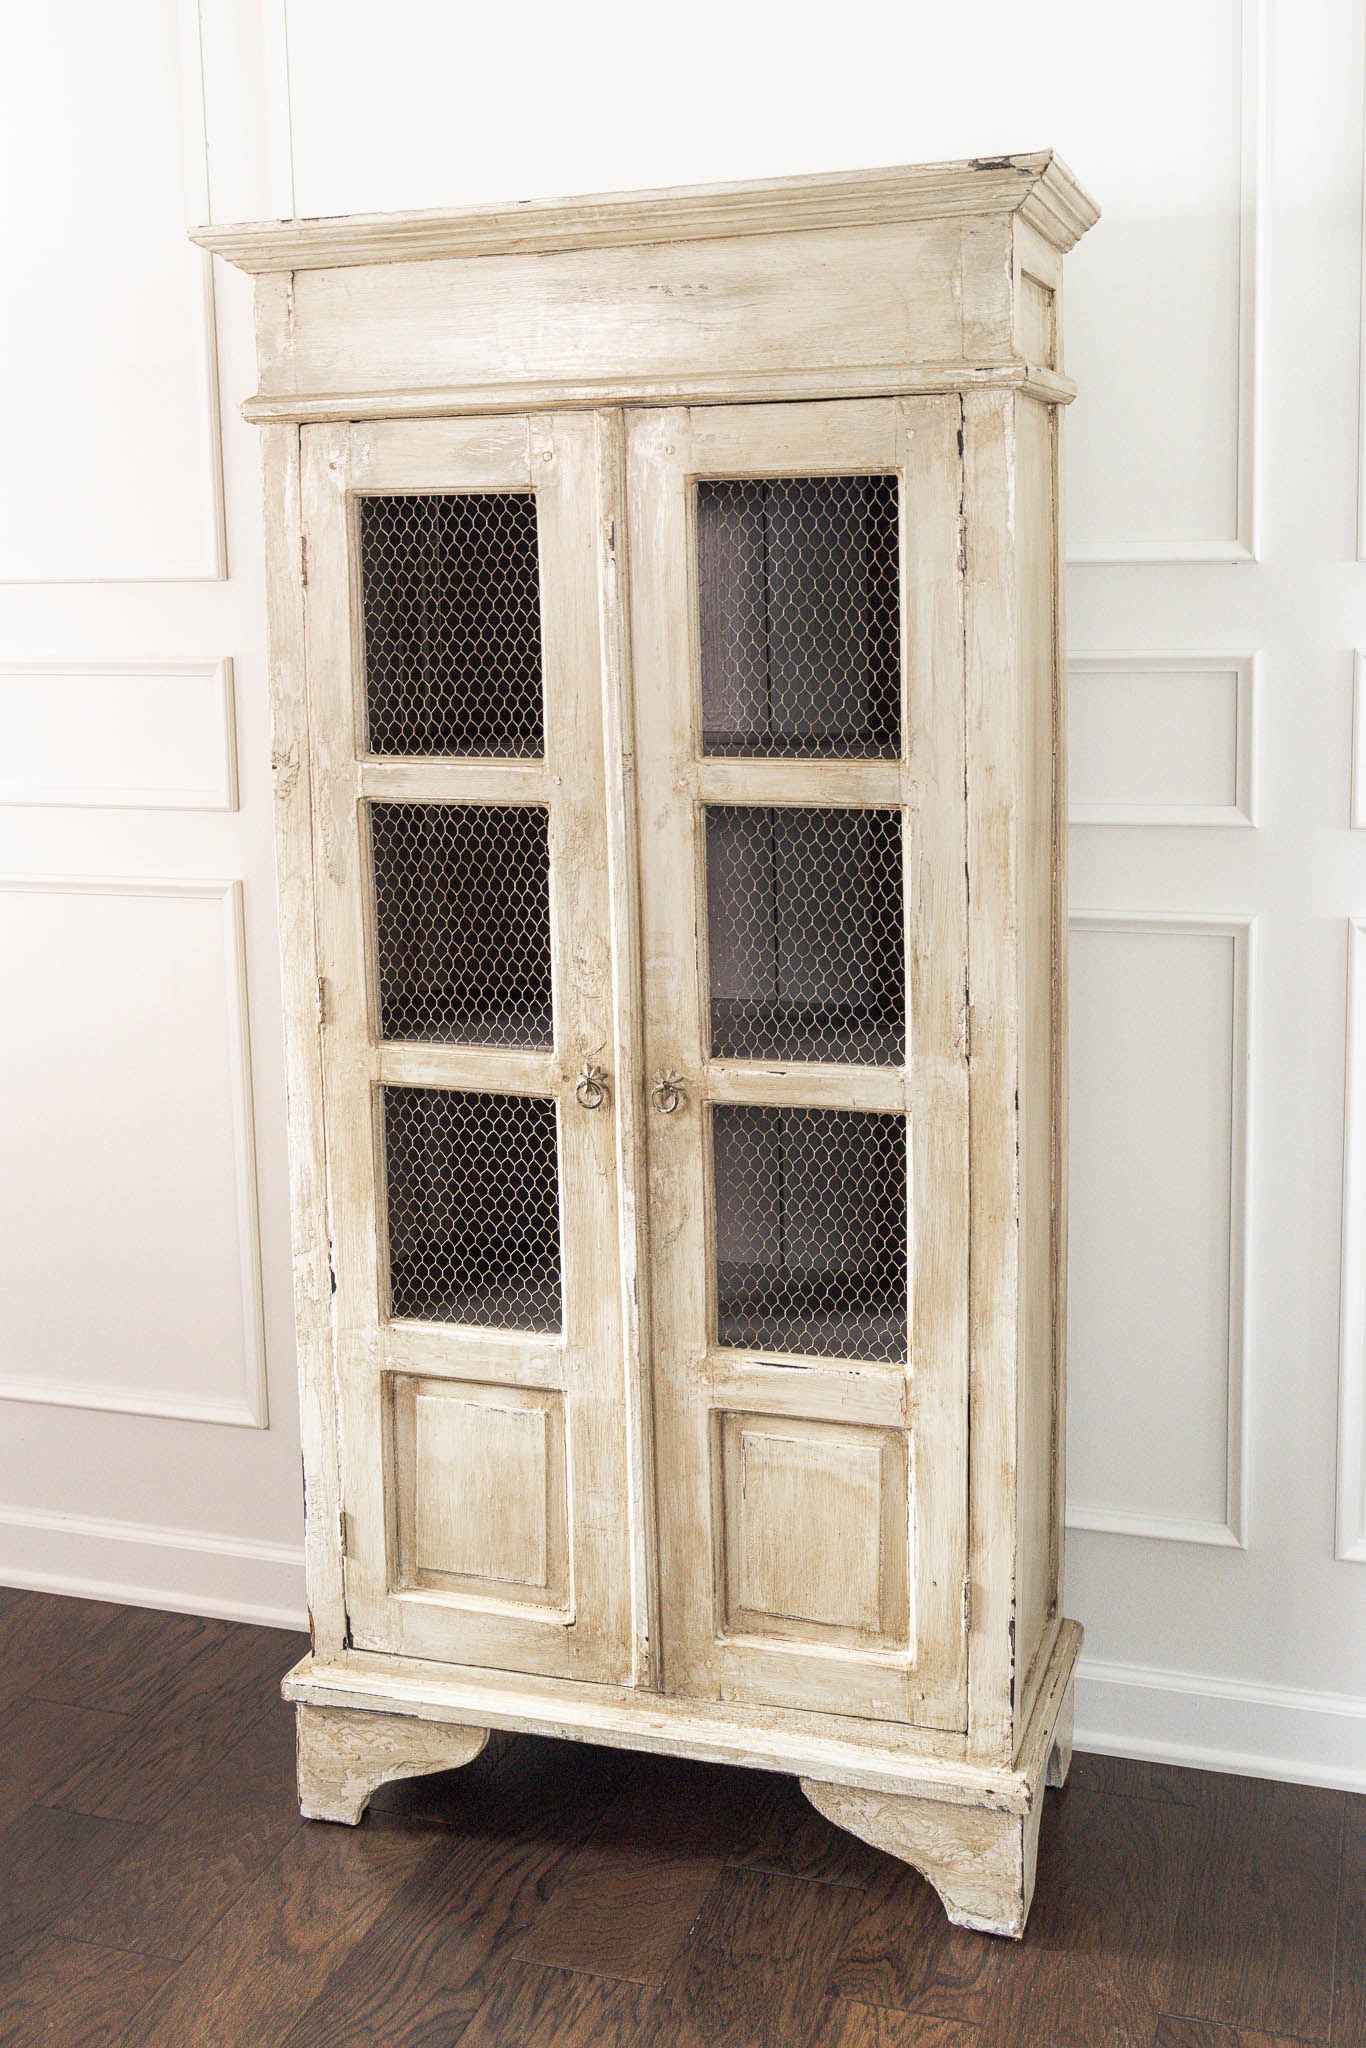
[
  {"x": 1039, "y": 971},
  {"x": 290, "y": 765}
]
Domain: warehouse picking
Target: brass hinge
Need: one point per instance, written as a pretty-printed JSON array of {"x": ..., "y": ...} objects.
[
  {"x": 303, "y": 560},
  {"x": 322, "y": 1000},
  {"x": 967, "y": 1606},
  {"x": 346, "y": 1531}
]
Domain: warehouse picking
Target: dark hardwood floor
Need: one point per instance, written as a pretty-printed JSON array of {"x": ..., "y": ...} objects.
[{"x": 158, "y": 1890}]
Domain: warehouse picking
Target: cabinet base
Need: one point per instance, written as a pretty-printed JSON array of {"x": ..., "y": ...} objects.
[
  {"x": 343, "y": 1756},
  {"x": 973, "y": 1829}
]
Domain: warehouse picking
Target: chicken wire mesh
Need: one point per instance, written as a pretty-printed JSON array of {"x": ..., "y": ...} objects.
[
  {"x": 805, "y": 942},
  {"x": 462, "y": 922},
  {"x": 450, "y": 595},
  {"x": 799, "y": 627},
  {"x": 811, "y": 1220},
  {"x": 472, "y": 1187}
]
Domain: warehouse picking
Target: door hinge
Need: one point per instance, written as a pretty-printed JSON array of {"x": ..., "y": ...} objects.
[
  {"x": 303, "y": 560},
  {"x": 346, "y": 1531},
  {"x": 322, "y": 1000},
  {"x": 967, "y": 1606}
]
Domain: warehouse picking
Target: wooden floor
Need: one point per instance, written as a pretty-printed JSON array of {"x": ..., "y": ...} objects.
[{"x": 157, "y": 1887}]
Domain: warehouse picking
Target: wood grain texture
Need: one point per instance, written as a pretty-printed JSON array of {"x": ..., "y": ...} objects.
[
  {"x": 623, "y": 1904},
  {"x": 845, "y": 2025},
  {"x": 40, "y": 1633},
  {"x": 68, "y": 1992},
  {"x": 753, "y": 1972},
  {"x": 1257, "y": 1926},
  {"x": 1349, "y": 1990},
  {"x": 169, "y": 1886},
  {"x": 1179, "y": 2033},
  {"x": 535, "y": 2007}
]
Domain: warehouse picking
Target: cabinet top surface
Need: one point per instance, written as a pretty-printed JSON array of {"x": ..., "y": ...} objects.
[{"x": 1039, "y": 187}]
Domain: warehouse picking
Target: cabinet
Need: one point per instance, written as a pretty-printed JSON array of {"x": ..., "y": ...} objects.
[{"x": 666, "y": 645}]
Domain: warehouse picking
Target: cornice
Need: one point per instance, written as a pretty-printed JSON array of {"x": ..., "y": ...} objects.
[{"x": 1038, "y": 187}]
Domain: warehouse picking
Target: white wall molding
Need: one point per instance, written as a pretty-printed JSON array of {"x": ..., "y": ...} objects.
[
  {"x": 1245, "y": 667},
  {"x": 1222, "y": 1724},
  {"x": 142, "y": 1564},
  {"x": 250, "y": 1411},
  {"x": 1351, "y": 1460},
  {"x": 217, "y": 791},
  {"x": 1231, "y": 1533},
  {"x": 204, "y": 341},
  {"x": 1244, "y": 544},
  {"x": 1357, "y": 813}
]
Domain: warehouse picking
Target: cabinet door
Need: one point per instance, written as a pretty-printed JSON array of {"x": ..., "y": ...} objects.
[
  {"x": 454, "y": 666},
  {"x": 797, "y": 638}
]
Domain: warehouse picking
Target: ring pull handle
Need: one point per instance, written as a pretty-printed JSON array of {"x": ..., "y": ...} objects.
[
  {"x": 668, "y": 1093},
  {"x": 591, "y": 1087}
]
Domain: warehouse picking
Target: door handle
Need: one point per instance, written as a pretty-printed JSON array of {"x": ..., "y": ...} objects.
[
  {"x": 591, "y": 1087},
  {"x": 668, "y": 1093}
]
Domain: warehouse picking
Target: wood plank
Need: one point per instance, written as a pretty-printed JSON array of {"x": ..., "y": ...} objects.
[
  {"x": 44, "y": 1746},
  {"x": 1258, "y": 1912},
  {"x": 844, "y": 2025},
  {"x": 69, "y": 1992},
  {"x": 1349, "y": 1991},
  {"x": 151, "y": 1760},
  {"x": 1092, "y": 1971},
  {"x": 535, "y": 2007},
  {"x": 903, "y": 1952},
  {"x": 789, "y": 1838},
  {"x": 49, "y": 1857},
  {"x": 260, "y": 1967},
  {"x": 754, "y": 1971},
  {"x": 625, "y": 1901},
  {"x": 1182, "y": 2033},
  {"x": 126, "y": 1665},
  {"x": 426, "y": 1964},
  {"x": 41, "y": 1631},
  {"x": 173, "y": 1882},
  {"x": 1126, "y": 1777}
]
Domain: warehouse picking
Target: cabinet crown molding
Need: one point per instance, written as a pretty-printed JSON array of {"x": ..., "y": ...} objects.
[{"x": 1038, "y": 187}]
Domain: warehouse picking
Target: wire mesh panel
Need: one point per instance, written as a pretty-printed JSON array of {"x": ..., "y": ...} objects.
[
  {"x": 799, "y": 595},
  {"x": 450, "y": 594},
  {"x": 462, "y": 922},
  {"x": 472, "y": 1185},
  {"x": 811, "y": 1218},
  {"x": 806, "y": 947}
]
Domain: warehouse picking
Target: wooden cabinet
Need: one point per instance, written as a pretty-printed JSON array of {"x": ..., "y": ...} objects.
[{"x": 666, "y": 628}]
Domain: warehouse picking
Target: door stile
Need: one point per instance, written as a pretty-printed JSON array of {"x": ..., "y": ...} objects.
[{"x": 562, "y": 1413}]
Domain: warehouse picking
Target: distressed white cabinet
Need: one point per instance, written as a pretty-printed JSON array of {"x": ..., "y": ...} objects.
[{"x": 667, "y": 666}]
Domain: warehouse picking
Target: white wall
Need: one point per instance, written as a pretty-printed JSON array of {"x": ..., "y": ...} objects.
[{"x": 1216, "y": 598}]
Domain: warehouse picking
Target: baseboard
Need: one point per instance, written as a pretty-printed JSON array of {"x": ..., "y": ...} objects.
[
  {"x": 1222, "y": 1724},
  {"x": 144, "y": 1565}
]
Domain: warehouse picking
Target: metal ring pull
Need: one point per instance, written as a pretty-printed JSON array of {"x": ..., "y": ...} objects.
[
  {"x": 668, "y": 1093},
  {"x": 591, "y": 1087}
]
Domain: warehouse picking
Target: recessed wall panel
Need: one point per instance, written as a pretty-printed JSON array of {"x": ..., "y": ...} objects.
[
  {"x": 127, "y": 1211},
  {"x": 1156, "y": 1220}
]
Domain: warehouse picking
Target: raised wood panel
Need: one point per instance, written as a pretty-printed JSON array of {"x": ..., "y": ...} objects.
[
  {"x": 150, "y": 735},
  {"x": 782, "y": 1480},
  {"x": 119, "y": 479},
  {"x": 1162, "y": 739},
  {"x": 478, "y": 1479},
  {"x": 1159, "y": 1149},
  {"x": 130, "y": 1240}
]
